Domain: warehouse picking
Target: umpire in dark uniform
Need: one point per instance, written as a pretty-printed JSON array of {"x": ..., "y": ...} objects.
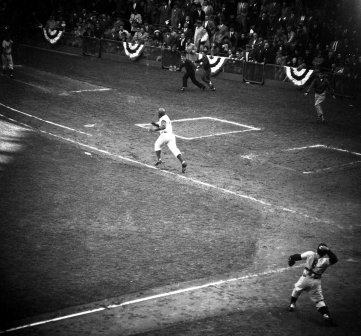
[{"x": 190, "y": 73}]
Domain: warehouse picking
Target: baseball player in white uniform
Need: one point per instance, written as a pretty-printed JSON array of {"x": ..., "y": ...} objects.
[
  {"x": 310, "y": 281},
  {"x": 6, "y": 55},
  {"x": 166, "y": 137}
]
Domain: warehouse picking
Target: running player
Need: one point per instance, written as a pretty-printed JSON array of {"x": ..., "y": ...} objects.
[
  {"x": 206, "y": 76},
  {"x": 320, "y": 84},
  {"x": 190, "y": 73},
  {"x": 166, "y": 137}
]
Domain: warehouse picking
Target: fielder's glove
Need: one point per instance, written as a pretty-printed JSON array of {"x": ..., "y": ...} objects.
[{"x": 293, "y": 258}]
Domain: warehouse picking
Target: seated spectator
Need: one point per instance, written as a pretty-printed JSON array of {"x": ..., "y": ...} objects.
[
  {"x": 210, "y": 26},
  {"x": 52, "y": 24},
  {"x": 274, "y": 12},
  {"x": 329, "y": 60},
  {"x": 123, "y": 31},
  {"x": 198, "y": 14},
  {"x": 233, "y": 37},
  {"x": 317, "y": 61},
  {"x": 268, "y": 56},
  {"x": 243, "y": 41},
  {"x": 308, "y": 58},
  {"x": 123, "y": 37},
  {"x": 189, "y": 33},
  {"x": 207, "y": 8},
  {"x": 225, "y": 46},
  {"x": 169, "y": 38},
  {"x": 198, "y": 33},
  {"x": 242, "y": 9},
  {"x": 98, "y": 31},
  {"x": 78, "y": 33},
  {"x": 157, "y": 38},
  {"x": 189, "y": 22},
  {"x": 182, "y": 42},
  {"x": 262, "y": 25},
  {"x": 137, "y": 37},
  {"x": 239, "y": 55},
  {"x": 175, "y": 18},
  {"x": 221, "y": 33},
  {"x": 135, "y": 20},
  {"x": 204, "y": 42}
]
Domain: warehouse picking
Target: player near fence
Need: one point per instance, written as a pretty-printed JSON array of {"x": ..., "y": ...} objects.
[
  {"x": 166, "y": 137},
  {"x": 310, "y": 281},
  {"x": 6, "y": 54},
  {"x": 190, "y": 73},
  {"x": 321, "y": 85},
  {"x": 203, "y": 62}
]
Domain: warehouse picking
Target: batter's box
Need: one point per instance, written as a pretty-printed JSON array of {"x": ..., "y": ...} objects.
[
  {"x": 316, "y": 159},
  {"x": 203, "y": 127}
]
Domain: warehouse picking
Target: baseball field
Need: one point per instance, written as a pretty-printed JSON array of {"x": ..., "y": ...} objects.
[{"x": 95, "y": 240}]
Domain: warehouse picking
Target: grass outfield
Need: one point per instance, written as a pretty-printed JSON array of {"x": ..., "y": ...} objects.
[{"x": 86, "y": 218}]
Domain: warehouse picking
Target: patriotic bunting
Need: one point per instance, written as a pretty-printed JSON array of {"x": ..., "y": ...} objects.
[
  {"x": 298, "y": 77},
  {"x": 133, "y": 51},
  {"x": 52, "y": 35},
  {"x": 216, "y": 62}
]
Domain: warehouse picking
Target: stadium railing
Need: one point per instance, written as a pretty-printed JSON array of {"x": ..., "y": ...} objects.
[{"x": 259, "y": 73}]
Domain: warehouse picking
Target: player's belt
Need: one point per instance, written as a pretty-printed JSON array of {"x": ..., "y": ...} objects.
[{"x": 311, "y": 274}]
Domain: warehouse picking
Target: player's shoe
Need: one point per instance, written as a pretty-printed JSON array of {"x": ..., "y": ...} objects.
[
  {"x": 291, "y": 307},
  {"x": 159, "y": 162},
  {"x": 184, "y": 167},
  {"x": 329, "y": 320},
  {"x": 182, "y": 89},
  {"x": 213, "y": 88}
]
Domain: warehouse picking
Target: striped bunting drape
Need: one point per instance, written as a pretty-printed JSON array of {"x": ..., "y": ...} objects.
[
  {"x": 133, "y": 51},
  {"x": 52, "y": 35},
  {"x": 298, "y": 77},
  {"x": 216, "y": 62}
]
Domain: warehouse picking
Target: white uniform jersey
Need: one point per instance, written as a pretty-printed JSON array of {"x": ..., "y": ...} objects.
[
  {"x": 168, "y": 124},
  {"x": 315, "y": 263}
]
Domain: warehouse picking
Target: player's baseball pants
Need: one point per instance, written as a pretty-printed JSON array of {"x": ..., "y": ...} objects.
[
  {"x": 313, "y": 287},
  {"x": 7, "y": 61},
  {"x": 319, "y": 99},
  {"x": 169, "y": 140}
]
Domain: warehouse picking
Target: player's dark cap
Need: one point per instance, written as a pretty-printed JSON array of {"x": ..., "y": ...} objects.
[{"x": 161, "y": 112}]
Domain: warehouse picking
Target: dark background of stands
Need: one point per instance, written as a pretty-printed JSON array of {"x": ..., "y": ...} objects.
[{"x": 300, "y": 33}]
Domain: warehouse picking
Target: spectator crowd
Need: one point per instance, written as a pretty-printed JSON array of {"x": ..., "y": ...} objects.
[{"x": 299, "y": 33}]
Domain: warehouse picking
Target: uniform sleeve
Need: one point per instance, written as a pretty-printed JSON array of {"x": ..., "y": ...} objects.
[{"x": 307, "y": 254}]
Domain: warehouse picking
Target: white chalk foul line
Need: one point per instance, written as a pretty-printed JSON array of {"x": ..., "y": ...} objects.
[
  {"x": 90, "y": 90},
  {"x": 45, "y": 121},
  {"x": 152, "y": 297},
  {"x": 195, "y": 181}
]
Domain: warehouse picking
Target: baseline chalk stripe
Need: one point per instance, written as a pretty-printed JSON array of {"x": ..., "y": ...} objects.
[
  {"x": 133, "y": 51},
  {"x": 90, "y": 90},
  {"x": 152, "y": 297},
  {"x": 298, "y": 77},
  {"x": 43, "y": 120}
]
